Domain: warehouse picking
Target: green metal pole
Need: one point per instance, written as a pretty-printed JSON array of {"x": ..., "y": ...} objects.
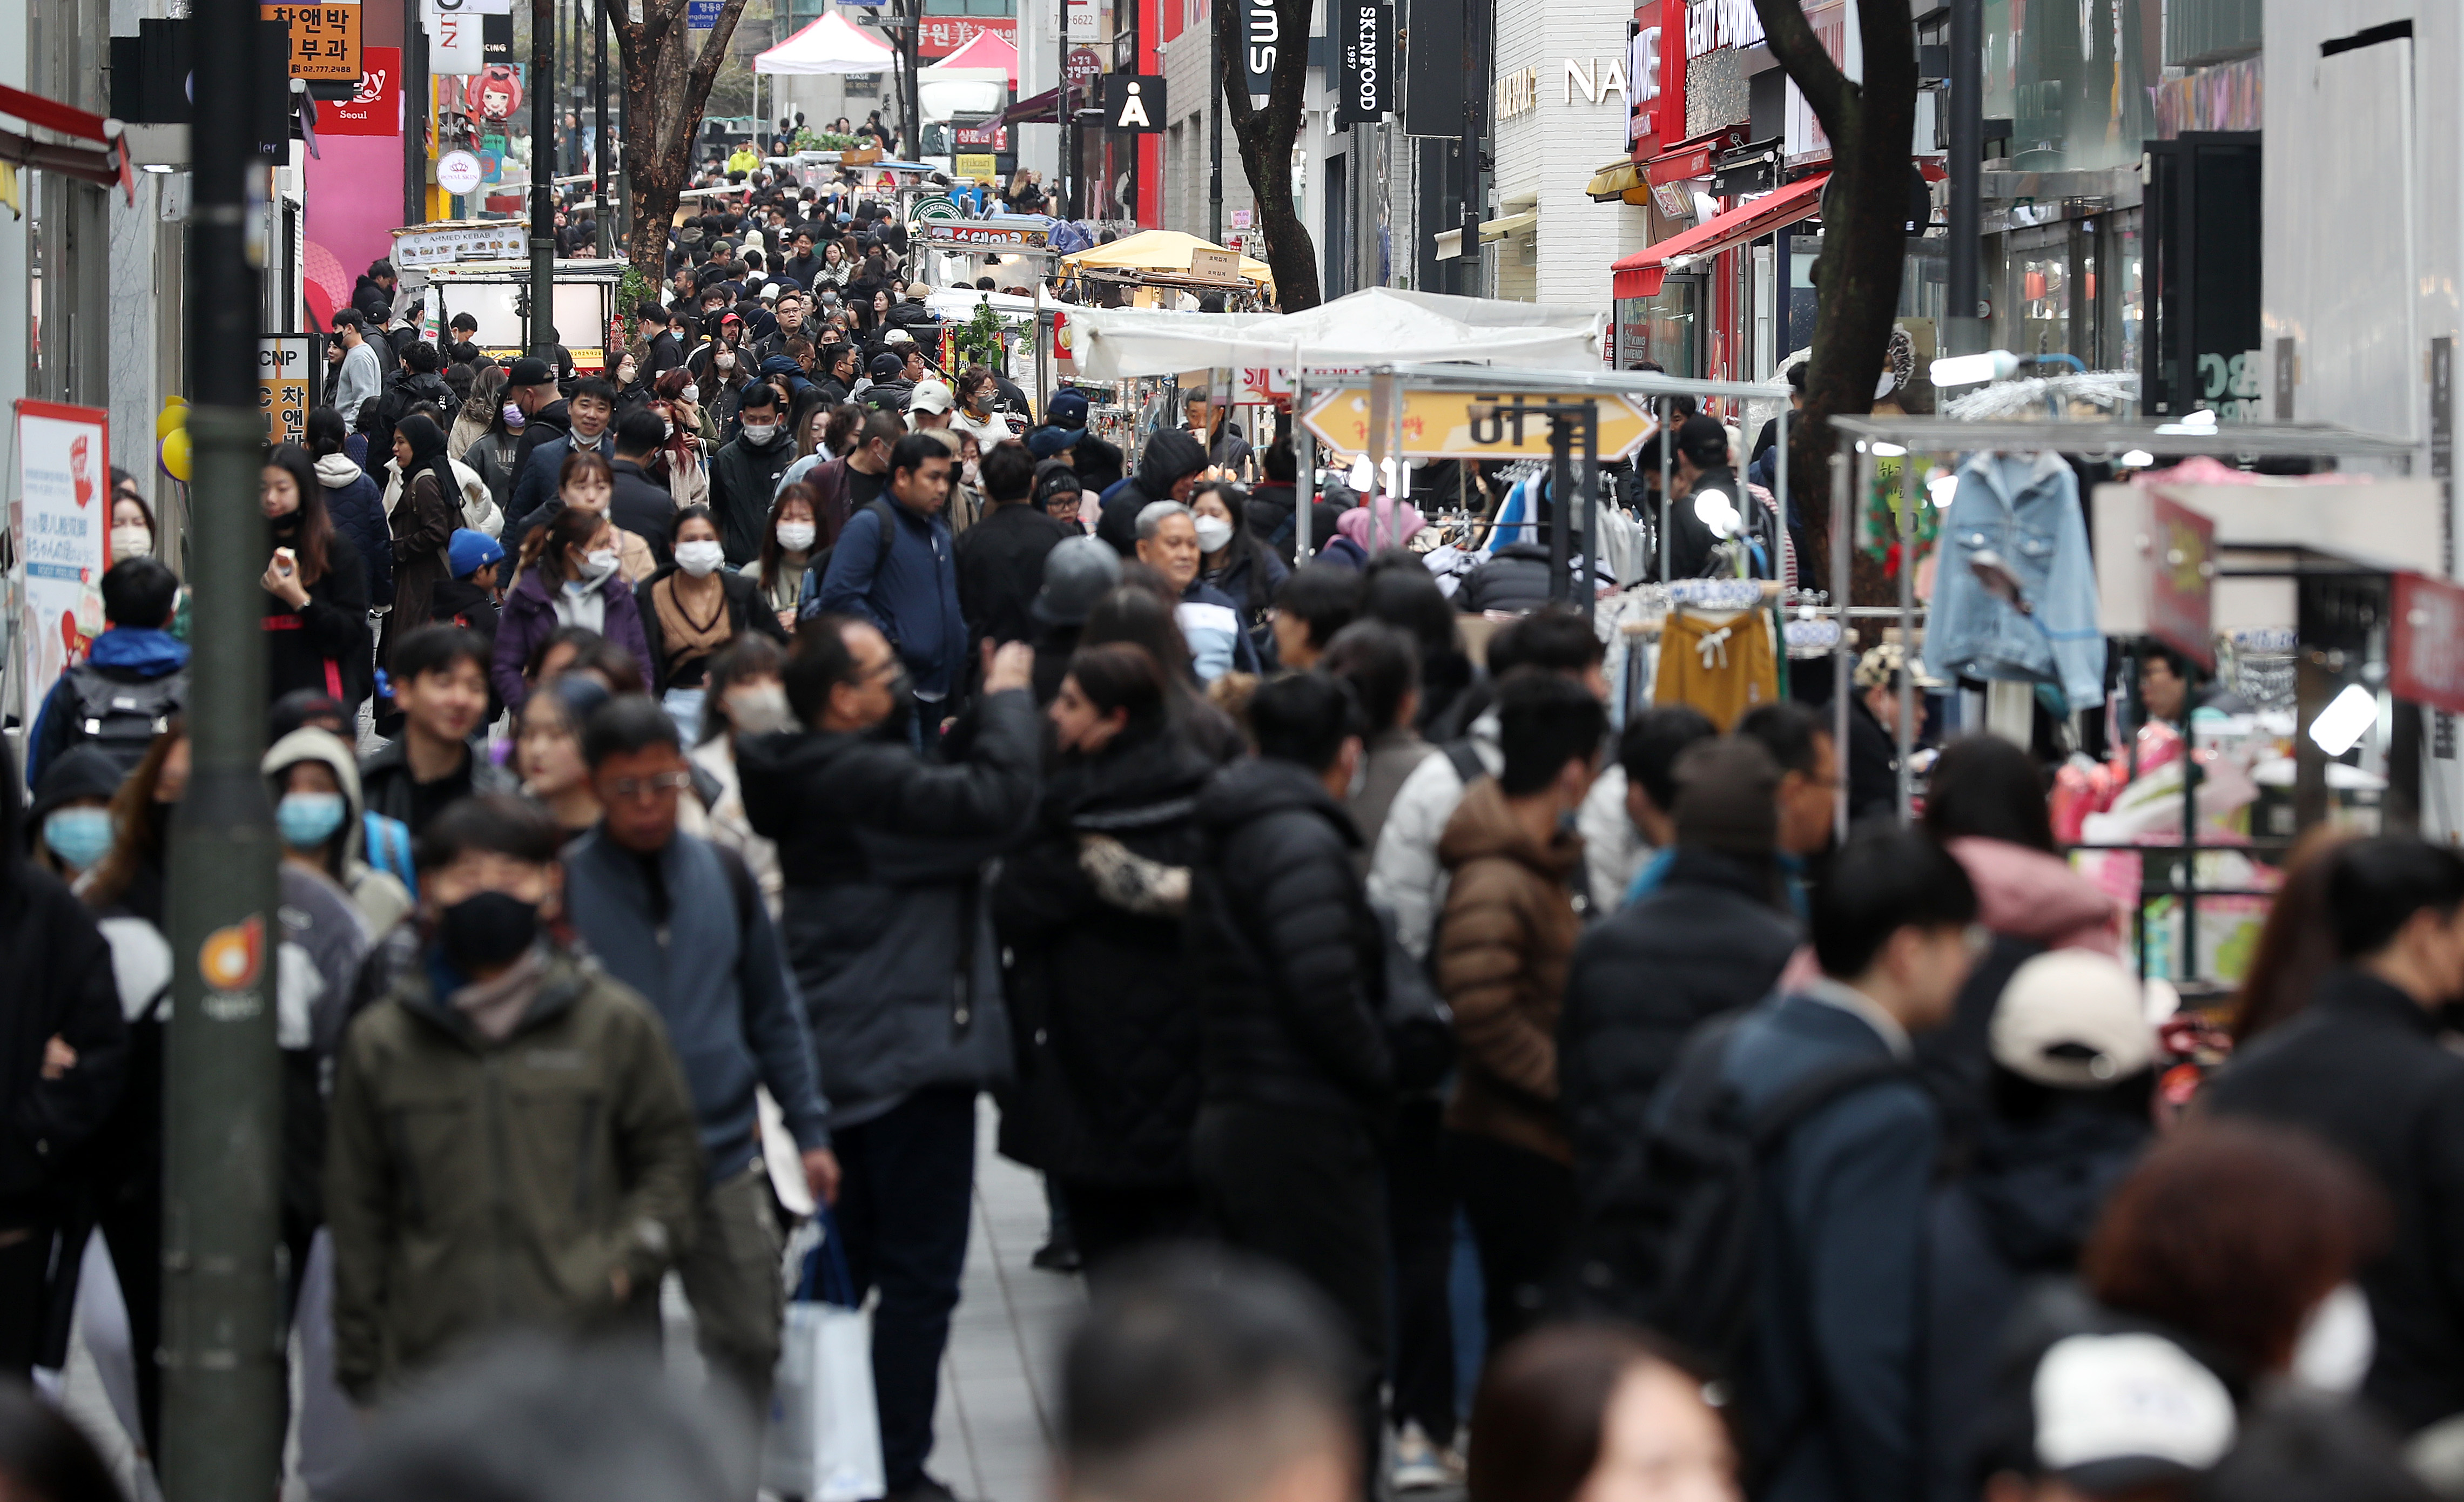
[
  {"x": 224, "y": 1376},
  {"x": 543, "y": 19}
]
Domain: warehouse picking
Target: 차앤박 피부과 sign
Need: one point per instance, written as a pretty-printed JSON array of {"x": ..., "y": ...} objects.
[{"x": 61, "y": 523}]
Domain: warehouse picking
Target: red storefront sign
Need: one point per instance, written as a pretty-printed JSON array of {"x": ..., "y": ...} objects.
[
  {"x": 1655, "y": 73},
  {"x": 376, "y": 109},
  {"x": 2181, "y": 581},
  {"x": 1679, "y": 165},
  {"x": 940, "y": 35},
  {"x": 2426, "y": 647},
  {"x": 990, "y": 138}
]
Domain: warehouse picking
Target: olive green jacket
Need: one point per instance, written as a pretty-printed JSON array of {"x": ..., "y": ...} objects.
[{"x": 475, "y": 1185}]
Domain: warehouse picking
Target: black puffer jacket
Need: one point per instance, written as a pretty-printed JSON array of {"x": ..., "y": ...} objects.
[
  {"x": 1709, "y": 940},
  {"x": 60, "y": 985},
  {"x": 1515, "y": 578},
  {"x": 884, "y": 912},
  {"x": 1286, "y": 958},
  {"x": 1170, "y": 455},
  {"x": 1099, "y": 995}
]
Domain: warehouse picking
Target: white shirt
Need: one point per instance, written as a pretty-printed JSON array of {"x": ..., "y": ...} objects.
[{"x": 1848, "y": 999}]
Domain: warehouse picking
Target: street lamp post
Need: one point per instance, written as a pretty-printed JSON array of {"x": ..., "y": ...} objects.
[{"x": 222, "y": 1350}]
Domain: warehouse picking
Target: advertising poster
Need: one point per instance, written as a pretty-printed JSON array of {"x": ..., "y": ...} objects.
[
  {"x": 285, "y": 368},
  {"x": 61, "y": 519},
  {"x": 354, "y": 185}
]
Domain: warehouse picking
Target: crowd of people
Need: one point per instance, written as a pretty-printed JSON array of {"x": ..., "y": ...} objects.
[{"x": 699, "y": 786}]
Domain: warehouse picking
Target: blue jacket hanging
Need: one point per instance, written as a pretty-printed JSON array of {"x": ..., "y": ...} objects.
[{"x": 2025, "y": 509}]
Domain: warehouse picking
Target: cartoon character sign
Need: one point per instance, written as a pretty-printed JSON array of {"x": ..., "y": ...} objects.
[{"x": 495, "y": 91}]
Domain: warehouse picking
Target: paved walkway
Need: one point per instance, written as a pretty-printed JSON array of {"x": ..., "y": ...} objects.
[{"x": 998, "y": 1400}]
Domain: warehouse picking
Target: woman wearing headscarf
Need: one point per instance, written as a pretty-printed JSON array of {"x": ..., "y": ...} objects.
[{"x": 422, "y": 524}]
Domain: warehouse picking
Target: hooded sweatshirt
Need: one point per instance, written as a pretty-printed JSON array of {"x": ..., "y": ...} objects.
[
  {"x": 1170, "y": 455},
  {"x": 383, "y": 900},
  {"x": 359, "y": 510}
]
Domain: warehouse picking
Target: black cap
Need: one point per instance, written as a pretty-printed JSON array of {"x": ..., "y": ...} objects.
[{"x": 531, "y": 370}]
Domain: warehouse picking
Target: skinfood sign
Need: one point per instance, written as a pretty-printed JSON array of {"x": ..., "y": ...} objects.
[{"x": 1598, "y": 80}]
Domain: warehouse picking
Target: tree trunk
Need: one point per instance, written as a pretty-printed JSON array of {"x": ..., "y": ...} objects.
[
  {"x": 1266, "y": 138},
  {"x": 664, "y": 99},
  {"x": 1857, "y": 277}
]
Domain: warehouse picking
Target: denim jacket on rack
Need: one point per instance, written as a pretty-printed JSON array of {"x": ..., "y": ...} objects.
[{"x": 2025, "y": 508}]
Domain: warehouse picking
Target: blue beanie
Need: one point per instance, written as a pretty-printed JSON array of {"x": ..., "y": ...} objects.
[
  {"x": 1045, "y": 442},
  {"x": 471, "y": 551},
  {"x": 1067, "y": 409}
]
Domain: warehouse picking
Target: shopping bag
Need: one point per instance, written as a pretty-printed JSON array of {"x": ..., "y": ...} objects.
[{"x": 824, "y": 1441}]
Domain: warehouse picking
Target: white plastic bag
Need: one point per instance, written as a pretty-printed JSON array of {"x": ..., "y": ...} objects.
[{"x": 824, "y": 1442}]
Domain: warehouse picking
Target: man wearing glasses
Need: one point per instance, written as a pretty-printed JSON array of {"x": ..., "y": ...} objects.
[{"x": 681, "y": 922}]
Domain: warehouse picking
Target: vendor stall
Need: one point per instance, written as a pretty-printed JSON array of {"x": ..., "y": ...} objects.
[{"x": 2275, "y": 594}]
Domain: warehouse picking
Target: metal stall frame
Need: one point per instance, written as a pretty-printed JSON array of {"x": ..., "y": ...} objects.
[
  {"x": 1652, "y": 391},
  {"x": 1862, "y": 440}
]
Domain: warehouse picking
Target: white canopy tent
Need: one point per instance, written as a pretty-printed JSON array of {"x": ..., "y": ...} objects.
[
  {"x": 832, "y": 44},
  {"x": 1377, "y": 325}
]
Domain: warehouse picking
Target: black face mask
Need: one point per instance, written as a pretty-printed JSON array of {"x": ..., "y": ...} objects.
[{"x": 488, "y": 931}]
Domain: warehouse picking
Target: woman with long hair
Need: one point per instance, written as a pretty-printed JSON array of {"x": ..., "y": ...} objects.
[
  {"x": 124, "y": 1163},
  {"x": 423, "y": 522},
  {"x": 315, "y": 586},
  {"x": 569, "y": 578},
  {"x": 1108, "y": 1092},
  {"x": 353, "y": 501},
  {"x": 2297, "y": 945},
  {"x": 547, "y": 751},
  {"x": 834, "y": 268},
  {"x": 1231, "y": 558},
  {"x": 480, "y": 410},
  {"x": 788, "y": 539},
  {"x": 1141, "y": 614},
  {"x": 494, "y": 455},
  {"x": 745, "y": 694},
  {"x": 678, "y": 459},
  {"x": 693, "y": 609},
  {"x": 587, "y": 482}
]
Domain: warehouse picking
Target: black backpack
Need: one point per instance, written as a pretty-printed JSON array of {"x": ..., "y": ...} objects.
[
  {"x": 122, "y": 716},
  {"x": 1670, "y": 1241}
]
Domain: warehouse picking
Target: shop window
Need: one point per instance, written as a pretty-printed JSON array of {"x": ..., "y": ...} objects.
[{"x": 1665, "y": 328}]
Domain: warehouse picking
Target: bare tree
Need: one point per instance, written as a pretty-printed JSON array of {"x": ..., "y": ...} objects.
[
  {"x": 1266, "y": 138},
  {"x": 1864, "y": 239},
  {"x": 664, "y": 97}
]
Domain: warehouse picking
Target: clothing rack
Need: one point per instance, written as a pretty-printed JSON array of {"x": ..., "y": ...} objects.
[{"x": 1863, "y": 440}]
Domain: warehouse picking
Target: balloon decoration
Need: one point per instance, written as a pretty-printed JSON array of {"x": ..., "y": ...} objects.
[
  {"x": 175, "y": 454},
  {"x": 171, "y": 437}
]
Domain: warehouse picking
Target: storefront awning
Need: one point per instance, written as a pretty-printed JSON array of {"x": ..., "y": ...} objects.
[
  {"x": 1639, "y": 274},
  {"x": 1491, "y": 230},
  {"x": 1611, "y": 183},
  {"x": 93, "y": 153},
  {"x": 1037, "y": 108}
]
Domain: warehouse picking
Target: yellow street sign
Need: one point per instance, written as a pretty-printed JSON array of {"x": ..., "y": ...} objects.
[{"x": 1460, "y": 424}]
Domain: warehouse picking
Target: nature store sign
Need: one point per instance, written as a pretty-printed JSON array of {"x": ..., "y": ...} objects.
[{"x": 1598, "y": 80}]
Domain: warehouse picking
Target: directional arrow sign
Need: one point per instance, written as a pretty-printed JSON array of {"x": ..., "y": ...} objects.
[{"x": 1460, "y": 425}]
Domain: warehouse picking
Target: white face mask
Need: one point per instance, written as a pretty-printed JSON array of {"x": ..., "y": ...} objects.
[
  {"x": 700, "y": 558},
  {"x": 726, "y": 360},
  {"x": 2336, "y": 1342},
  {"x": 671, "y": 429},
  {"x": 691, "y": 393},
  {"x": 760, "y": 433},
  {"x": 133, "y": 540},
  {"x": 758, "y": 710},
  {"x": 598, "y": 564},
  {"x": 1213, "y": 532},
  {"x": 796, "y": 536}
]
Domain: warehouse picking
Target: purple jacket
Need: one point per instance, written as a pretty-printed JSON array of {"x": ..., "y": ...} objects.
[{"x": 529, "y": 618}]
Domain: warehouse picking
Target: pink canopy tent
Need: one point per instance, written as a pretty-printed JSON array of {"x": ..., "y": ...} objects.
[{"x": 987, "y": 53}]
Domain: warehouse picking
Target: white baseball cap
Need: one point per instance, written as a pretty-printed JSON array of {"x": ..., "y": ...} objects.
[
  {"x": 2120, "y": 1411},
  {"x": 930, "y": 396},
  {"x": 2073, "y": 1019},
  {"x": 898, "y": 336}
]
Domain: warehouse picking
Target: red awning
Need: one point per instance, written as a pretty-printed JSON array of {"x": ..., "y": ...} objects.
[
  {"x": 1639, "y": 274},
  {"x": 1037, "y": 108},
  {"x": 93, "y": 153}
]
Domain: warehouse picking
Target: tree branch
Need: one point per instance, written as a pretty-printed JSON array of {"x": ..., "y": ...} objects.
[{"x": 1792, "y": 42}]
